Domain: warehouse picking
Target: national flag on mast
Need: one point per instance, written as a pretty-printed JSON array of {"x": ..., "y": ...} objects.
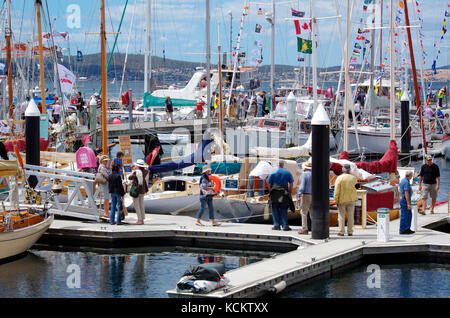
[
  {"x": 304, "y": 46},
  {"x": 299, "y": 14}
]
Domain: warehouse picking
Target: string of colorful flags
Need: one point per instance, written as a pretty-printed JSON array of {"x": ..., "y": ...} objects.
[
  {"x": 359, "y": 48},
  {"x": 443, "y": 31},
  {"x": 256, "y": 57}
]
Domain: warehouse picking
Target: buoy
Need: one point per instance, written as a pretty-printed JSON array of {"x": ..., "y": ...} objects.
[
  {"x": 116, "y": 121},
  {"x": 217, "y": 183},
  {"x": 277, "y": 288}
]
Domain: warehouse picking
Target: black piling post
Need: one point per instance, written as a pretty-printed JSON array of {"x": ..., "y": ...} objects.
[
  {"x": 405, "y": 129},
  {"x": 320, "y": 174},
  {"x": 32, "y": 138}
]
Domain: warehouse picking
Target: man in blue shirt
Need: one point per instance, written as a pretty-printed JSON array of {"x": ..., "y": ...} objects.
[
  {"x": 405, "y": 204},
  {"x": 280, "y": 184},
  {"x": 304, "y": 195}
]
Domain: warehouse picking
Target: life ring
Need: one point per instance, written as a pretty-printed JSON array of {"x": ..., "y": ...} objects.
[{"x": 217, "y": 183}]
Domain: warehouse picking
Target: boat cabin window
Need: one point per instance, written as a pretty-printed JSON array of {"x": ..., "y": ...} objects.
[
  {"x": 305, "y": 127},
  {"x": 175, "y": 185},
  {"x": 271, "y": 123},
  {"x": 254, "y": 122}
]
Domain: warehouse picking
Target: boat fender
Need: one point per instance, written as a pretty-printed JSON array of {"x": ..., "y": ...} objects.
[
  {"x": 277, "y": 288},
  {"x": 217, "y": 183}
]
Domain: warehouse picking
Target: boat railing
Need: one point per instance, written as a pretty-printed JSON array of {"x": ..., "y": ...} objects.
[{"x": 82, "y": 197}]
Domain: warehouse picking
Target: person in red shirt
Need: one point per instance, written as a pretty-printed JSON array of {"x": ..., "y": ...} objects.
[{"x": 199, "y": 105}]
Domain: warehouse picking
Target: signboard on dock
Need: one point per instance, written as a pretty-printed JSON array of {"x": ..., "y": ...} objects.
[{"x": 125, "y": 147}]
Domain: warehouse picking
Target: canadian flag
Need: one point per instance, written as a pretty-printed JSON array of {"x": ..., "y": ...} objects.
[{"x": 305, "y": 27}]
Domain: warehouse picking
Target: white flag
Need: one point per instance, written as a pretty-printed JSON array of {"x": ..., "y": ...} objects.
[{"x": 66, "y": 78}]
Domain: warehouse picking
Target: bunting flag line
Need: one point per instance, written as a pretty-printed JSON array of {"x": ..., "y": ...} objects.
[
  {"x": 353, "y": 60},
  {"x": 258, "y": 28},
  {"x": 357, "y": 46}
]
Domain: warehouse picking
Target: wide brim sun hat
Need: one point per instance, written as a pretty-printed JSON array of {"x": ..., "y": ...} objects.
[
  {"x": 140, "y": 163},
  {"x": 206, "y": 168}
]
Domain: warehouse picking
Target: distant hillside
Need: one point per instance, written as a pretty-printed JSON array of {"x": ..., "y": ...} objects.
[{"x": 177, "y": 70}]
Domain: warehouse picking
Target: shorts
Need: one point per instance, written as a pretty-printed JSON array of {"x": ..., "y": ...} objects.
[
  {"x": 429, "y": 189},
  {"x": 79, "y": 114}
]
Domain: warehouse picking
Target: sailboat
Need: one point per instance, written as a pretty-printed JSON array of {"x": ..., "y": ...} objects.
[{"x": 374, "y": 138}]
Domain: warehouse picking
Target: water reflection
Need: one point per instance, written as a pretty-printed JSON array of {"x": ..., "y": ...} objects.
[
  {"x": 44, "y": 273},
  {"x": 397, "y": 281}
]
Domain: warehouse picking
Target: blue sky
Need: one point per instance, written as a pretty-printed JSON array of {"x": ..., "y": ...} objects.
[{"x": 178, "y": 27}]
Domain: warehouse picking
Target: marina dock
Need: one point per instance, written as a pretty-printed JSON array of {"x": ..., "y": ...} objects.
[{"x": 300, "y": 258}]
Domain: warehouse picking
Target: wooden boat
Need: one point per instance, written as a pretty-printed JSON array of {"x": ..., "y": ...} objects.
[
  {"x": 20, "y": 227},
  {"x": 19, "y": 230}
]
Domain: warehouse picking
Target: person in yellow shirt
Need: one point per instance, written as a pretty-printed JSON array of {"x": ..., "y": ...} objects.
[
  {"x": 216, "y": 105},
  {"x": 345, "y": 198}
]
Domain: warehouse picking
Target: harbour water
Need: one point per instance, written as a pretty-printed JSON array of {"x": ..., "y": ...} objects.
[
  {"x": 414, "y": 280},
  {"x": 144, "y": 273}
]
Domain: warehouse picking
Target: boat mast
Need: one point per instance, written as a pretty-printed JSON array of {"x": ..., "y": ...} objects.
[
  {"x": 103, "y": 61},
  {"x": 392, "y": 75},
  {"x": 208, "y": 66},
  {"x": 272, "y": 58},
  {"x": 236, "y": 59},
  {"x": 41, "y": 56},
  {"x": 338, "y": 96},
  {"x": 8, "y": 57},
  {"x": 314, "y": 62},
  {"x": 421, "y": 64},
  {"x": 347, "y": 78},
  {"x": 220, "y": 89},
  {"x": 413, "y": 66},
  {"x": 147, "y": 60},
  {"x": 370, "y": 93},
  {"x": 381, "y": 47}
]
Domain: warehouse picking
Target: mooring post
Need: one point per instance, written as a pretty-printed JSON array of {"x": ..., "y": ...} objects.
[
  {"x": 32, "y": 138},
  {"x": 406, "y": 137},
  {"x": 320, "y": 174},
  {"x": 291, "y": 122}
]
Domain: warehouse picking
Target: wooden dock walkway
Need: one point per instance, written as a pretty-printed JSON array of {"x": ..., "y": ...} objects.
[{"x": 303, "y": 257}]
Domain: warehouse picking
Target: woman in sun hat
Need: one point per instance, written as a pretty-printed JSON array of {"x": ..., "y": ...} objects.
[
  {"x": 140, "y": 176},
  {"x": 206, "y": 196},
  {"x": 103, "y": 169}
]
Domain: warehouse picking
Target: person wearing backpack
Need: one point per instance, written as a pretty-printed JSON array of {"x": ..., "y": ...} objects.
[{"x": 140, "y": 176}]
